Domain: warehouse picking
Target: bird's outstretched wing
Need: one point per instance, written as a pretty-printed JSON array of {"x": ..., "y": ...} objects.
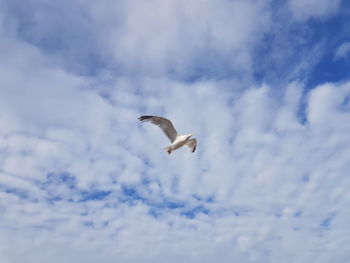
[
  {"x": 164, "y": 124},
  {"x": 192, "y": 144}
]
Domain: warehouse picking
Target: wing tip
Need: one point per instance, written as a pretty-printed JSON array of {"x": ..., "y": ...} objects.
[{"x": 144, "y": 117}]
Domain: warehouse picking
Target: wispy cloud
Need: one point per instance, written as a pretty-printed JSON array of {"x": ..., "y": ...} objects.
[
  {"x": 304, "y": 10},
  {"x": 342, "y": 51}
]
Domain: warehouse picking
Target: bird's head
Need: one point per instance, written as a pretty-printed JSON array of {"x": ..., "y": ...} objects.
[{"x": 189, "y": 135}]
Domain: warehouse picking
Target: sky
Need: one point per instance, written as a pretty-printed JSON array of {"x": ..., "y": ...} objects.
[{"x": 263, "y": 85}]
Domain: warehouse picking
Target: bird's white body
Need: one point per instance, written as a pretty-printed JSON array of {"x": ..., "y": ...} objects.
[
  {"x": 180, "y": 141},
  {"x": 177, "y": 140}
]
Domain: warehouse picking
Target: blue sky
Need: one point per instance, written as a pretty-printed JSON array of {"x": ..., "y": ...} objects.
[{"x": 263, "y": 85}]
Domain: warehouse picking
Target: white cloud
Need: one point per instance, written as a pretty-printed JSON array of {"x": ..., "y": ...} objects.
[
  {"x": 342, "y": 51},
  {"x": 154, "y": 37},
  {"x": 184, "y": 33},
  {"x": 328, "y": 106},
  {"x": 303, "y": 10},
  {"x": 268, "y": 197}
]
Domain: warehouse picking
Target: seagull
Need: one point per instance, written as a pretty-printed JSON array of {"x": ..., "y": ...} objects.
[{"x": 177, "y": 140}]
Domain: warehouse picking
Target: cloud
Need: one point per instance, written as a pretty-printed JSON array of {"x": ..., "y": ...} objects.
[
  {"x": 304, "y": 10},
  {"x": 342, "y": 51},
  {"x": 281, "y": 174},
  {"x": 82, "y": 180},
  {"x": 188, "y": 39},
  {"x": 186, "y": 34}
]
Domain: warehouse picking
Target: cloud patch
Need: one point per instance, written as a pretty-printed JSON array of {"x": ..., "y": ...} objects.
[
  {"x": 304, "y": 10},
  {"x": 342, "y": 51}
]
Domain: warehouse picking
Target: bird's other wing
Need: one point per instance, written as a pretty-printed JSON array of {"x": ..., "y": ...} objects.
[
  {"x": 192, "y": 144},
  {"x": 164, "y": 124}
]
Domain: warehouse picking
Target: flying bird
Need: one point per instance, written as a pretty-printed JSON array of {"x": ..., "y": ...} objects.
[{"x": 177, "y": 140}]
